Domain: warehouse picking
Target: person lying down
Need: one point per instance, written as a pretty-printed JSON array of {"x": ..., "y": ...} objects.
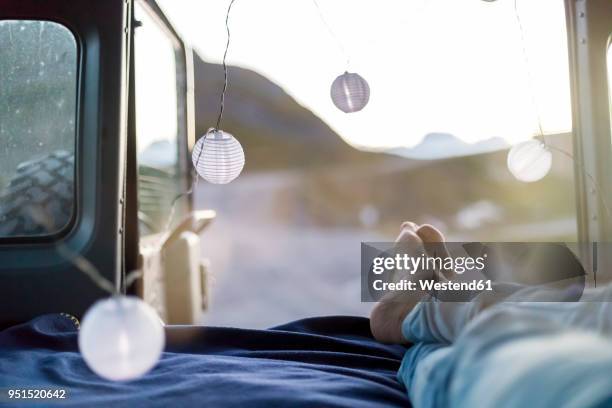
[{"x": 492, "y": 353}]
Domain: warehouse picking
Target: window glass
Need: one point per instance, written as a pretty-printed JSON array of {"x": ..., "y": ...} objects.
[
  {"x": 156, "y": 122},
  {"x": 38, "y": 83}
]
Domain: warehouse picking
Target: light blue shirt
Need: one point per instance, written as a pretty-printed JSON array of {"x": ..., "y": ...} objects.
[{"x": 513, "y": 354}]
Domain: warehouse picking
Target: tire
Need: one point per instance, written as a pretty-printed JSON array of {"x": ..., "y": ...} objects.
[{"x": 45, "y": 184}]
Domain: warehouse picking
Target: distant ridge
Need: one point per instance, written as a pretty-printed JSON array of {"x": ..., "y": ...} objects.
[{"x": 443, "y": 145}]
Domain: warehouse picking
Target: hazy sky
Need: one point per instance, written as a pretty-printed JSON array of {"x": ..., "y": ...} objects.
[{"x": 454, "y": 66}]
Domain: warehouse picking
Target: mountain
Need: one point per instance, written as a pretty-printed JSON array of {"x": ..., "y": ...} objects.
[
  {"x": 444, "y": 145},
  {"x": 275, "y": 131}
]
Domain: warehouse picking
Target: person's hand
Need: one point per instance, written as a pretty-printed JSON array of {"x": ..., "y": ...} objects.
[{"x": 387, "y": 316}]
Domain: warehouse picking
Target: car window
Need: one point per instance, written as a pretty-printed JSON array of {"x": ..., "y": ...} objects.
[
  {"x": 156, "y": 122},
  {"x": 38, "y": 88}
]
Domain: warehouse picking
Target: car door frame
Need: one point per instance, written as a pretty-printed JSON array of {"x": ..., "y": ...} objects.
[
  {"x": 151, "y": 284},
  {"x": 589, "y": 29},
  {"x": 34, "y": 277}
]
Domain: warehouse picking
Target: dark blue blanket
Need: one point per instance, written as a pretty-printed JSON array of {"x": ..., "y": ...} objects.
[{"x": 319, "y": 362}]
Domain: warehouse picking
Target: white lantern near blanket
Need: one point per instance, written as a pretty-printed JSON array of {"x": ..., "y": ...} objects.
[{"x": 121, "y": 338}]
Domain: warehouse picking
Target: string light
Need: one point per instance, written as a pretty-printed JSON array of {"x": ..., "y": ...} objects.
[
  {"x": 218, "y": 156},
  {"x": 529, "y": 161},
  {"x": 350, "y": 92},
  {"x": 121, "y": 338}
]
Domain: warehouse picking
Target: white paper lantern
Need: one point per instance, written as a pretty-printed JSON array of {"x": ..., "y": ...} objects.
[
  {"x": 350, "y": 92},
  {"x": 218, "y": 157},
  {"x": 529, "y": 161},
  {"x": 121, "y": 338}
]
